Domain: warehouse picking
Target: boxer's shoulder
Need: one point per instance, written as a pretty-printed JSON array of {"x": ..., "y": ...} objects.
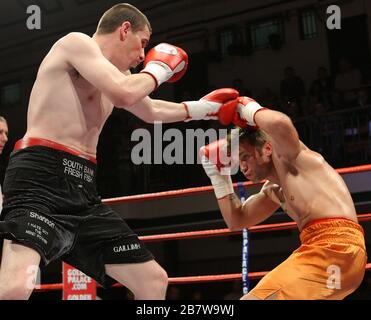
[
  {"x": 74, "y": 43},
  {"x": 66, "y": 49},
  {"x": 74, "y": 37}
]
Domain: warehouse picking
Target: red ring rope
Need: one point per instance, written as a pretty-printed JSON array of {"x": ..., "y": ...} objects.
[
  {"x": 181, "y": 280},
  {"x": 197, "y": 190},
  {"x": 227, "y": 232}
]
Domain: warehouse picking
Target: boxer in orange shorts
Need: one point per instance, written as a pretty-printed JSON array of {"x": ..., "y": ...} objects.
[{"x": 330, "y": 263}]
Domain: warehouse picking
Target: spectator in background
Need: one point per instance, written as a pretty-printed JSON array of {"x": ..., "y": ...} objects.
[
  {"x": 292, "y": 86},
  {"x": 3, "y": 141},
  {"x": 269, "y": 99},
  {"x": 322, "y": 87},
  {"x": 3, "y": 133},
  {"x": 347, "y": 81},
  {"x": 315, "y": 96},
  {"x": 324, "y": 80},
  {"x": 327, "y": 134},
  {"x": 292, "y": 109},
  {"x": 363, "y": 97},
  {"x": 312, "y": 99}
]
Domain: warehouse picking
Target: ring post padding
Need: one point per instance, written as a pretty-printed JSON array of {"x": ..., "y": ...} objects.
[{"x": 245, "y": 246}]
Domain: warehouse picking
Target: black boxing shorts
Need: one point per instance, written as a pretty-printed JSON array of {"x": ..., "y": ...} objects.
[{"x": 51, "y": 205}]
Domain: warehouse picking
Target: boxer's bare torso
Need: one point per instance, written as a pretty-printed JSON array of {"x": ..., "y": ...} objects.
[
  {"x": 64, "y": 107},
  {"x": 308, "y": 188}
]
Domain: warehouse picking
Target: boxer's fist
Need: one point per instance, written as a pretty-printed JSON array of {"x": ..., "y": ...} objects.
[
  {"x": 165, "y": 62},
  {"x": 209, "y": 106},
  {"x": 215, "y": 160},
  {"x": 246, "y": 110},
  {"x": 214, "y": 157}
]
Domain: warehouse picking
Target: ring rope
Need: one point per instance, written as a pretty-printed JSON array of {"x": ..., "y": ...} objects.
[
  {"x": 180, "y": 280},
  {"x": 226, "y": 232},
  {"x": 205, "y": 189}
]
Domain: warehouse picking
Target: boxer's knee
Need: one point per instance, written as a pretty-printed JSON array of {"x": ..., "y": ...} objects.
[
  {"x": 158, "y": 282},
  {"x": 152, "y": 286},
  {"x": 161, "y": 280}
]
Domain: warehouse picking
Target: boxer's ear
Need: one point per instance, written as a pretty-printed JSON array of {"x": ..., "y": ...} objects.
[
  {"x": 267, "y": 149},
  {"x": 124, "y": 29}
]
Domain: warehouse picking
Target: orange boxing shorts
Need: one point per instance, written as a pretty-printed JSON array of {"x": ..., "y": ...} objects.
[{"x": 329, "y": 264}]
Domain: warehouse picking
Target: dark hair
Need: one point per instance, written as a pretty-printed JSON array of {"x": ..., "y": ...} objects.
[
  {"x": 254, "y": 137},
  {"x": 114, "y": 17}
]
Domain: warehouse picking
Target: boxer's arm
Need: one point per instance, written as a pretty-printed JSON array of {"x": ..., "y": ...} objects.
[
  {"x": 278, "y": 125},
  {"x": 206, "y": 108},
  {"x": 81, "y": 52},
  {"x": 280, "y": 128},
  {"x": 254, "y": 210},
  {"x": 151, "y": 110}
]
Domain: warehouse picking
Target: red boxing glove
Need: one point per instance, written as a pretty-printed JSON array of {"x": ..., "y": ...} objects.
[
  {"x": 217, "y": 166},
  {"x": 230, "y": 112},
  {"x": 216, "y": 154},
  {"x": 227, "y": 112},
  {"x": 245, "y": 112},
  {"x": 166, "y": 62},
  {"x": 210, "y": 106}
]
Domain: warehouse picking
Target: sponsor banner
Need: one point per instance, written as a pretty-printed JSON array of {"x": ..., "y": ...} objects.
[{"x": 77, "y": 285}]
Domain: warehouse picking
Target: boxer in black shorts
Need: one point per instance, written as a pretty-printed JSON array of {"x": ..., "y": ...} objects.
[
  {"x": 52, "y": 206},
  {"x": 52, "y": 209}
]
